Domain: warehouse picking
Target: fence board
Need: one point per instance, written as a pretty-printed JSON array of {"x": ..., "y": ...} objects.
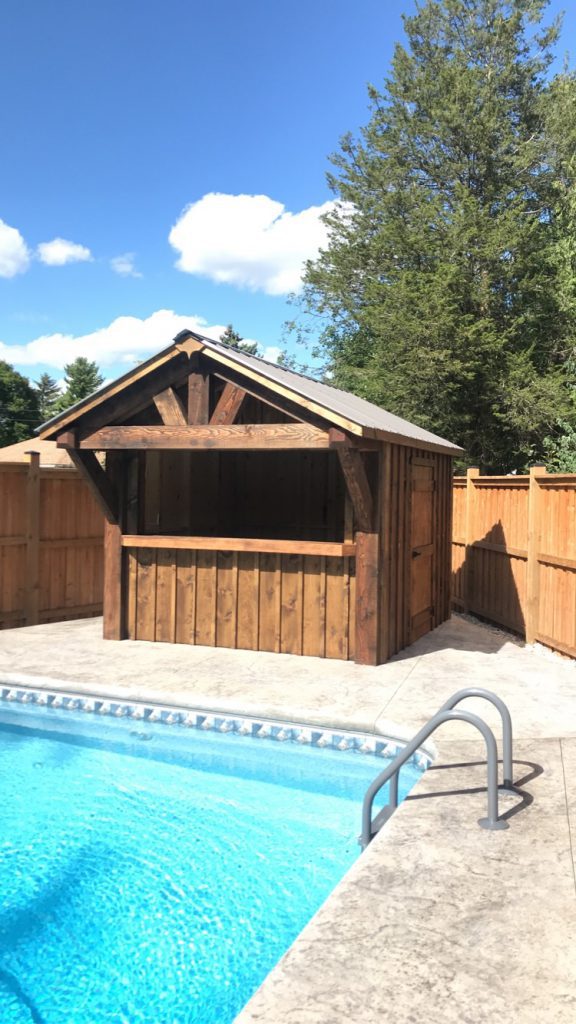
[
  {"x": 51, "y": 546},
  {"x": 514, "y": 553}
]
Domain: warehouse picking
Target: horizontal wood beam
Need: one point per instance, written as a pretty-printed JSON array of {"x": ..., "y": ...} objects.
[
  {"x": 340, "y": 439},
  {"x": 281, "y": 547},
  {"x": 170, "y": 408},
  {"x": 228, "y": 405},
  {"x": 234, "y": 437},
  {"x": 358, "y": 487}
]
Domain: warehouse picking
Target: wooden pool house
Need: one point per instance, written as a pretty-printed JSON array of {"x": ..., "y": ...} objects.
[{"x": 248, "y": 506}]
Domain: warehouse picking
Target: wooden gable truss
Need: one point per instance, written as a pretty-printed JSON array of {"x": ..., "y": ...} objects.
[{"x": 345, "y": 581}]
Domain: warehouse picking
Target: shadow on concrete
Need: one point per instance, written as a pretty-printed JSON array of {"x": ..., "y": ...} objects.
[
  {"x": 483, "y": 586},
  {"x": 525, "y": 799}
]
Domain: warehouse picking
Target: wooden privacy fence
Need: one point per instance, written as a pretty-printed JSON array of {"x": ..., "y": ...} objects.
[
  {"x": 514, "y": 553},
  {"x": 51, "y": 538}
]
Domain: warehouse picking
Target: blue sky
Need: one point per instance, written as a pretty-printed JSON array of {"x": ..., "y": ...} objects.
[{"x": 163, "y": 164}]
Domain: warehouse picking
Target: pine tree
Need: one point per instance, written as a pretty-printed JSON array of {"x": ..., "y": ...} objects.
[
  {"x": 231, "y": 339},
  {"x": 19, "y": 413},
  {"x": 81, "y": 378},
  {"x": 48, "y": 395},
  {"x": 441, "y": 286}
]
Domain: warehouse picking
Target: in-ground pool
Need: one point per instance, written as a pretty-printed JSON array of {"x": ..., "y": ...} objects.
[{"x": 153, "y": 874}]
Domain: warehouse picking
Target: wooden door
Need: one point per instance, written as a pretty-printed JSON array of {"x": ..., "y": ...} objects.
[{"x": 421, "y": 547}]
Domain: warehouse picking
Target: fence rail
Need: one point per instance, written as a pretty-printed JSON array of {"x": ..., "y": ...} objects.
[
  {"x": 514, "y": 553},
  {"x": 51, "y": 541}
]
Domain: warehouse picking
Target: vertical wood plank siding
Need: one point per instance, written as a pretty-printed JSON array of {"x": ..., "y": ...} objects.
[
  {"x": 68, "y": 549},
  {"x": 395, "y": 543},
  {"x": 291, "y": 603},
  {"x": 294, "y": 604},
  {"x": 520, "y": 578}
]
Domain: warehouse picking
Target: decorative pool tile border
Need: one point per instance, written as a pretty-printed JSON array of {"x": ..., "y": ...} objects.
[{"x": 336, "y": 739}]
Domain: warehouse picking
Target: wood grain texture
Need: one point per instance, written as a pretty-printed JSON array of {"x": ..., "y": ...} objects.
[
  {"x": 358, "y": 487},
  {"x": 228, "y": 405},
  {"x": 521, "y": 554},
  {"x": 286, "y": 547},
  {"x": 170, "y": 408},
  {"x": 51, "y": 538},
  {"x": 232, "y": 437},
  {"x": 285, "y": 603}
]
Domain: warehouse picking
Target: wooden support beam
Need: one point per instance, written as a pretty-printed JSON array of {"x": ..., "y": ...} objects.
[
  {"x": 358, "y": 487},
  {"x": 228, "y": 405},
  {"x": 170, "y": 408},
  {"x": 199, "y": 397},
  {"x": 326, "y": 549},
  {"x": 67, "y": 439},
  {"x": 340, "y": 439},
  {"x": 114, "y": 557},
  {"x": 532, "y": 615},
  {"x": 234, "y": 437},
  {"x": 367, "y": 610},
  {"x": 32, "y": 589},
  {"x": 98, "y": 482}
]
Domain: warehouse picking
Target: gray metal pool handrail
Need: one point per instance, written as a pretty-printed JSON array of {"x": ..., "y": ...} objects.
[
  {"x": 476, "y": 691},
  {"x": 392, "y": 771}
]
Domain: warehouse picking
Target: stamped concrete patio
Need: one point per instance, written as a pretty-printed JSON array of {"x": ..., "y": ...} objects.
[{"x": 438, "y": 920}]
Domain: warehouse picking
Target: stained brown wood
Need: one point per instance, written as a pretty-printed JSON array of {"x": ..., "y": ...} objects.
[
  {"x": 114, "y": 611},
  {"x": 170, "y": 408},
  {"x": 228, "y": 405},
  {"x": 98, "y": 482},
  {"x": 63, "y": 560},
  {"x": 358, "y": 487},
  {"x": 199, "y": 397},
  {"x": 422, "y": 548},
  {"x": 367, "y": 617},
  {"x": 33, "y": 541},
  {"x": 287, "y": 547},
  {"x": 118, "y": 388},
  {"x": 185, "y": 596},
  {"x": 533, "y": 546},
  {"x": 254, "y": 437},
  {"x": 522, "y": 554}
]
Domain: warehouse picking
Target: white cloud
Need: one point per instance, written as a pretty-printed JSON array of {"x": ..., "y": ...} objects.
[
  {"x": 14, "y": 253},
  {"x": 272, "y": 353},
  {"x": 124, "y": 265},
  {"x": 60, "y": 251},
  {"x": 249, "y": 241},
  {"x": 127, "y": 340}
]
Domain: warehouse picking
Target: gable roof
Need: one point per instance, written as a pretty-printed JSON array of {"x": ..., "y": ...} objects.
[
  {"x": 339, "y": 407},
  {"x": 50, "y": 454}
]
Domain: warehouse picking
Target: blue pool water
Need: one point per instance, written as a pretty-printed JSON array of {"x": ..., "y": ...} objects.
[{"x": 152, "y": 874}]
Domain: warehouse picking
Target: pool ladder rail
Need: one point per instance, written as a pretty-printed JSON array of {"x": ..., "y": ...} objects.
[{"x": 371, "y": 826}]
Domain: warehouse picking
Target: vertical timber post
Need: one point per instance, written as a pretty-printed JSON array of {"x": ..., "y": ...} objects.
[
  {"x": 32, "y": 593},
  {"x": 533, "y": 567},
  {"x": 368, "y": 609},
  {"x": 471, "y": 475},
  {"x": 367, "y": 617},
  {"x": 113, "y": 558}
]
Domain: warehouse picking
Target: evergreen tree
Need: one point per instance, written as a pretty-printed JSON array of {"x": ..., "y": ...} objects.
[
  {"x": 444, "y": 286},
  {"x": 19, "y": 412},
  {"x": 48, "y": 395},
  {"x": 81, "y": 378},
  {"x": 231, "y": 339}
]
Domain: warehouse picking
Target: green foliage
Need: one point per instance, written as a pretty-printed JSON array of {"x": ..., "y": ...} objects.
[
  {"x": 231, "y": 339},
  {"x": 560, "y": 451},
  {"x": 81, "y": 378},
  {"x": 447, "y": 289},
  {"x": 48, "y": 394},
  {"x": 19, "y": 412}
]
